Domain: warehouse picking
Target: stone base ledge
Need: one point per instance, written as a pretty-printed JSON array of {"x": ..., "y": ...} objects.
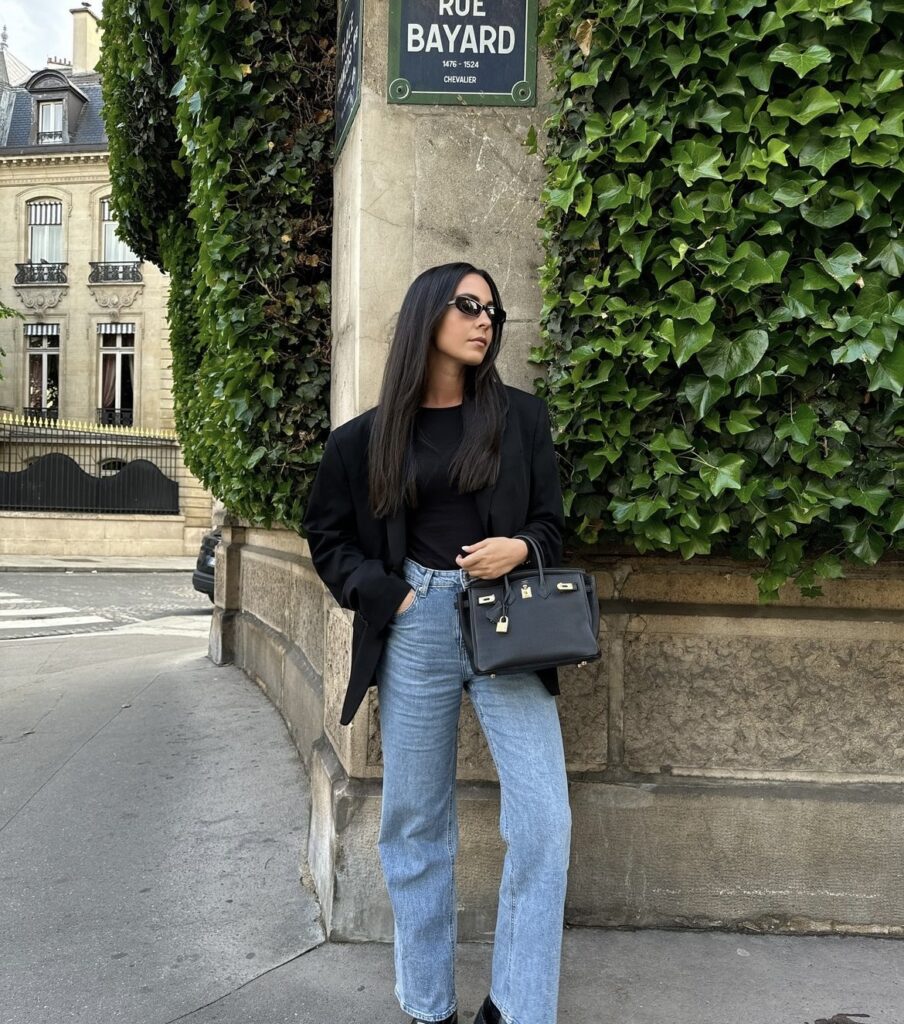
[
  {"x": 98, "y": 533},
  {"x": 761, "y": 857}
]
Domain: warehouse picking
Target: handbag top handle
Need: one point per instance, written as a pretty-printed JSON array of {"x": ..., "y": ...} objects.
[{"x": 537, "y": 558}]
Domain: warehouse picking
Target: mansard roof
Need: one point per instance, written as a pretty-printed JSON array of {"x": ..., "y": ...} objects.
[{"x": 88, "y": 133}]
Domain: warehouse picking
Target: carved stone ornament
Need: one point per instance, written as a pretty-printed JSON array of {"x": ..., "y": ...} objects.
[
  {"x": 39, "y": 299},
  {"x": 114, "y": 298}
]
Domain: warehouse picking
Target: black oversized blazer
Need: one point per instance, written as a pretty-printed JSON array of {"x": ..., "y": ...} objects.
[{"x": 359, "y": 557}]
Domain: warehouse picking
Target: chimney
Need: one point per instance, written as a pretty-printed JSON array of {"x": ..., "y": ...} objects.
[{"x": 85, "y": 39}]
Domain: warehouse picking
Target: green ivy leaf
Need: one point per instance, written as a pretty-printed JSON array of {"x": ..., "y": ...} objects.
[
  {"x": 840, "y": 265},
  {"x": 728, "y": 358},
  {"x": 888, "y": 371},
  {"x": 823, "y": 152},
  {"x": 895, "y": 519},
  {"x": 870, "y": 498},
  {"x": 723, "y": 475},
  {"x": 702, "y": 393},
  {"x": 813, "y": 103},
  {"x": 800, "y": 60}
]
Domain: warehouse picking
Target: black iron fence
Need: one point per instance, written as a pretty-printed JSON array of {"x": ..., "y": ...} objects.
[
  {"x": 103, "y": 272},
  {"x": 41, "y": 273},
  {"x": 83, "y": 467}
]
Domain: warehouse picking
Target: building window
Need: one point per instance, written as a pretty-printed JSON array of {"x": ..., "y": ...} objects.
[
  {"x": 42, "y": 342},
  {"x": 50, "y": 122},
  {"x": 114, "y": 249},
  {"x": 117, "y": 363},
  {"x": 118, "y": 262},
  {"x": 45, "y": 231}
]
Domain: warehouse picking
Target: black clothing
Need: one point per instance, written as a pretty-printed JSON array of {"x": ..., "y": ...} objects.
[
  {"x": 359, "y": 558},
  {"x": 443, "y": 519}
]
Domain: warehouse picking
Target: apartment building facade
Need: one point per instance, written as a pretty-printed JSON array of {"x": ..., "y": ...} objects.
[
  {"x": 93, "y": 342},
  {"x": 85, "y": 369}
]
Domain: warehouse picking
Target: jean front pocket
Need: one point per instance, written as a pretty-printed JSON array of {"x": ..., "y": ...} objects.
[{"x": 407, "y": 611}]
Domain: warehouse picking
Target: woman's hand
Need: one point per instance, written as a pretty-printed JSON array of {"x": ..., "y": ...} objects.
[
  {"x": 409, "y": 600},
  {"x": 493, "y": 557}
]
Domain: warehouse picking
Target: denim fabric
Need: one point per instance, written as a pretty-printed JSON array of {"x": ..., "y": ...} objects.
[{"x": 421, "y": 675}]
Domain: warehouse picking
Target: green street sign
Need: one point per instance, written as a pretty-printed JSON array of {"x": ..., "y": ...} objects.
[{"x": 465, "y": 52}]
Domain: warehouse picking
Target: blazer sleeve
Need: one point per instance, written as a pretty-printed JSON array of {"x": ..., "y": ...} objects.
[
  {"x": 356, "y": 581},
  {"x": 545, "y": 518}
]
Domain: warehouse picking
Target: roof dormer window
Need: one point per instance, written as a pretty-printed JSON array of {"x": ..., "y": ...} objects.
[{"x": 50, "y": 122}]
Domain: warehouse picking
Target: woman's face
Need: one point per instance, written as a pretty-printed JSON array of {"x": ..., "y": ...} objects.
[{"x": 466, "y": 338}]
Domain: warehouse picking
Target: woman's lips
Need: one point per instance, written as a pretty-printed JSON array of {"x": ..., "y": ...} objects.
[{"x": 478, "y": 341}]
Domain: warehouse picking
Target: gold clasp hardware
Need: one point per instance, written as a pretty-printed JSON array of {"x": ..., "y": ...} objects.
[
  {"x": 564, "y": 586},
  {"x": 502, "y": 625},
  {"x": 525, "y": 590},
  {"x": 488, "y": 599}
]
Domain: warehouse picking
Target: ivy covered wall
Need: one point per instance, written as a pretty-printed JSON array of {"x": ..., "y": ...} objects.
[
  {"x": 219, "y": 116},
  {"x": 722, "y": 284}
]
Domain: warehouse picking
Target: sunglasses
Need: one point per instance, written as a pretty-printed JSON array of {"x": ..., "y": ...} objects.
[{"x": 471, "y": 307}]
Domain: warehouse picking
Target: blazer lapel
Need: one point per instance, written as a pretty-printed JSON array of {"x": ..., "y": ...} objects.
[
  {"x": 396, "y": 539},
  {"x": 483, "y": 498}
]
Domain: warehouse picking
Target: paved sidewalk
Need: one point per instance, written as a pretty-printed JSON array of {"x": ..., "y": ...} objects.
[
  {"x": 95, "y": 563},
  {"x": 152, "y": 816}
]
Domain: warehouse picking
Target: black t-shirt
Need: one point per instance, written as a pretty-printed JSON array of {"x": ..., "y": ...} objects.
[{"x": 444, "y": 519}]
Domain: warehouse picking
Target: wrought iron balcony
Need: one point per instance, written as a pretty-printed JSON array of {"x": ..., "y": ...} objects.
[
  {"x": 103, "y": 273},
  {"x": 45, "y": 137},
  {"x": 43, "y": 412},
  {"x": 116, "y": 417},
  {"x": 41, "y": 273}
]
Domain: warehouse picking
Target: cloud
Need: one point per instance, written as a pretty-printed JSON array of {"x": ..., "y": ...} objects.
[{"x": 38, "y": 29}]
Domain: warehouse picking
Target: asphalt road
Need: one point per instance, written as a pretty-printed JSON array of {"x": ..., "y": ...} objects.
[{"x": 57, "y": 603}]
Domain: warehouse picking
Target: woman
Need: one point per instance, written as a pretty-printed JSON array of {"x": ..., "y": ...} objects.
[{"x": 433, "y": 485}]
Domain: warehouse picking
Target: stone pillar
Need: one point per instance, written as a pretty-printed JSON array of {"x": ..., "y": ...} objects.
[{"x": 227, "y": 596}]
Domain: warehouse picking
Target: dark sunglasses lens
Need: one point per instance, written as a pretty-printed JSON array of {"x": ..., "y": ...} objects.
[{"x": 471, "y": 307}]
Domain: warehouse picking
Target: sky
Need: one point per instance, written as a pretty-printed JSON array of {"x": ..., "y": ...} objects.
[{"x": 39, "y": 29}]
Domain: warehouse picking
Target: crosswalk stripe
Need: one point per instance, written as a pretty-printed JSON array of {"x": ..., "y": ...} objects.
[
  {"x": 33, "y": 612},
  {"x": 72, "y": 620}
]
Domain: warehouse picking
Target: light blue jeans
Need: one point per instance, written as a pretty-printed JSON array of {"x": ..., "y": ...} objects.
[{"x": 421, "y": 675}]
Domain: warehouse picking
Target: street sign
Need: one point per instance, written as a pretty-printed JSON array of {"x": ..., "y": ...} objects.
[
  {"x": 465, "y": 52},
  {"x": 348, "y": 69}
]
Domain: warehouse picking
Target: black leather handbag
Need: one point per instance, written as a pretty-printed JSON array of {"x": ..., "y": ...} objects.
[{"x": 530, "y": 619}]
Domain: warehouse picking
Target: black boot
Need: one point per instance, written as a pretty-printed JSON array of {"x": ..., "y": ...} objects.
[
  {"x": 488, "y": 1014},
  {"x": 448, "y": 1020}
]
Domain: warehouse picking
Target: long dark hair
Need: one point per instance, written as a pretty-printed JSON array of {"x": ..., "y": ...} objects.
[{"x": 391, "y": 462}]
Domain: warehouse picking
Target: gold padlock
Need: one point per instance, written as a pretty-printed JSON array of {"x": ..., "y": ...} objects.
[
  {"x": 502, "y": 625},
  {"x": 525, "y": 590}
]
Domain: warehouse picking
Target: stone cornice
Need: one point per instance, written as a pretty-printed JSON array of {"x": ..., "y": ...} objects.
[
  {"x": 47, "y": 180},
  {"x": 45, "y": 160}
]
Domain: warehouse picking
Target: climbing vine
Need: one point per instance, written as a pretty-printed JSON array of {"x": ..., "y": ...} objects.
[
  {"x": 219, "y": 115},
  {"x": 722, "y": 279}
]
